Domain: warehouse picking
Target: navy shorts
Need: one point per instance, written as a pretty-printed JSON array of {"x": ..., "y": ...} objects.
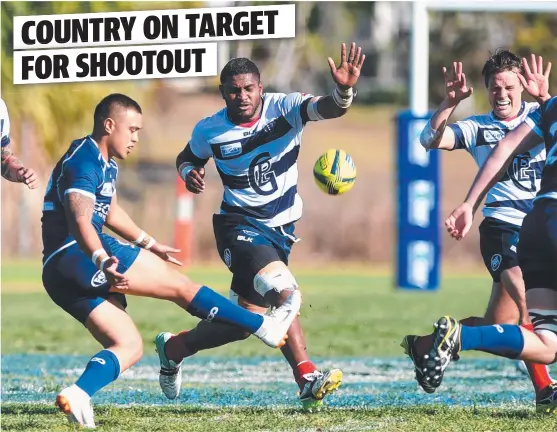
[
  {"x": 537, "y": 250},
  {"x": 498, "y": 244},
  {"x": 75, "y": 284},
  {"x": 246, "y": 246}
]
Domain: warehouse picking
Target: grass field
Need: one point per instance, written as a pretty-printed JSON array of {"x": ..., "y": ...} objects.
[{"x": 353, "y": 319}]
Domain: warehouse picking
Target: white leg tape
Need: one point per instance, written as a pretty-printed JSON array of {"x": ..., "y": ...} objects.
[{"x": 277, "y": 280}]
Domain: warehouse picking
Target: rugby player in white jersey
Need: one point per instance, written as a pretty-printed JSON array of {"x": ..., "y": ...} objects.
[
  {"x": 12, "y": 169},
  {"x": 255, "y": 142},
  {"x": 508, "y": 201},
  {"x": 537, "y": 251}
]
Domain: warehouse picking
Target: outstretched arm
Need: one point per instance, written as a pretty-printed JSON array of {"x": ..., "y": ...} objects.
[
  {"x": 518, "y": 141},
  {"x": 436, "y": 134},
  {"x": 345, "y": 77},
  {"x": 120, "y": 222},
  {"x": 14, "y": 171}
]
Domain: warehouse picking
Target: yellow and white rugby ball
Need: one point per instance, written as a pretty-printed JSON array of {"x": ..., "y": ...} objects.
[{"x": 334, "y": 172}]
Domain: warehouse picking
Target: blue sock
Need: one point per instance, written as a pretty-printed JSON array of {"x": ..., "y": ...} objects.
[
  {"x": 211, "y": 306},
  {"x": 101, "y": 370},
  {"x": 505, "y": 340}
]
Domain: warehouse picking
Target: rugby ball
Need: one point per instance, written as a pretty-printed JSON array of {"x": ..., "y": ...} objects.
[{"x": 334, "y": 172}]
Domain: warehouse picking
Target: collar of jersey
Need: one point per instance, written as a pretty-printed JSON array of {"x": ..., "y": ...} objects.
[
  {"x": 518, "y": 114},
  {"x": 106, "y": 164}
]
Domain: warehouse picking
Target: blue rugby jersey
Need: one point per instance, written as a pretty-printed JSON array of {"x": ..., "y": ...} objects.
[
  {"x": 82, "y": 169},
  {"x": 544, "y": 123}
]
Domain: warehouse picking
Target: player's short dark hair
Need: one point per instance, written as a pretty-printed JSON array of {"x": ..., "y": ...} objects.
[
  {"x": 105, "y": 107},
  {"x": 502, "y": 60},
  {"x": 239, "y": 66}
]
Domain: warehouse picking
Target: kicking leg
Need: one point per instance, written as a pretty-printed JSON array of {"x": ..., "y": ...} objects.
[
  {"x": 149, "y": 276},
  {"x": 505, "y": 340}
]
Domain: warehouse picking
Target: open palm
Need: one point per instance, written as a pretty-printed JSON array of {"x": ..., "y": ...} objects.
[
  {"x": 455, "y": 83},
  {"x": 535, "y": 80},
  {"x": 347, "y": 74}
]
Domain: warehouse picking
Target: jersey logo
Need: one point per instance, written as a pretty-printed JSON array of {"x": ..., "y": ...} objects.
[
  {"x": 492, "y": 136},
  {"x": 496, "y": 262},
  {"x": 227, "y": 257},
  {"x": 261, "y": 175},
  {"x": 108, "y": 189},
  {"x": 244, "y": 238},
  {"x": 522, "y": 174},
  {"x": 229, "y": 150},
  {"x": 98, "y": 279}
]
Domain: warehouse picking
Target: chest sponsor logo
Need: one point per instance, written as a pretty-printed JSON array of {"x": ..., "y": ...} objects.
[
  {"x": 493, "y": 136},
  {"x": 229, "y": 150}
]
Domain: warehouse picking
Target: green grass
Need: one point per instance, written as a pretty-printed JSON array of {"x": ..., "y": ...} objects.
[
  {"x": 351, "y": 313},
  {"x": 40, "y": 418}
]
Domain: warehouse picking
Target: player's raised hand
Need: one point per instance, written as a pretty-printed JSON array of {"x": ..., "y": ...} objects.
[
  {"x": 115, "y": 279},
  {"x": 28, "y": 177},
  {"x": 535, "y": 80},
  {"x": 460, "y": 221},
  {"x": 195, "y": 182},
  {"x": 164, "y": 251},
  {"x": 348, "y": 72},
  {"x": 456, "y": 87}
]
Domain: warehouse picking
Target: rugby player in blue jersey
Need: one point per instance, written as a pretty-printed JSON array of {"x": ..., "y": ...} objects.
[
  {"x": 87, "y": 272},
  {"x": 255, "y": 142}
]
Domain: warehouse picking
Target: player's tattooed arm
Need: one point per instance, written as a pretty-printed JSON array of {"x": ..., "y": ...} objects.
[
  {"x": 79, "y": 214},
  {"x": 9, "y": 160},
  {"x": 14, "y": 171}
]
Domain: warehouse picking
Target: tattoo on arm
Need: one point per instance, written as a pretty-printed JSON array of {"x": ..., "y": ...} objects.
[
  {"x": 9, "y": 161},
  {"x": 79, "y": 206}
]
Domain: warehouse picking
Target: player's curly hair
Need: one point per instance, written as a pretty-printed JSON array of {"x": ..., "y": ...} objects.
[
  {"x": 502, "y": 60},
  {"x": 105, "y": 106},
  {"x": 239, "y": 66}
]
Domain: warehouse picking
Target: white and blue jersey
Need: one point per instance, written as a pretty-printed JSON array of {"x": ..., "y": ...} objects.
[
  {"x": 512, "y": 197},
  {"x": 257, "y": 162},
  {"x": 82, "y": 169},
  {"x": 4, "y": 124}
]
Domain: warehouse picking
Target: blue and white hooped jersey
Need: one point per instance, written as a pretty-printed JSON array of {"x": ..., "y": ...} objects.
[
  {"x": 4, "y": 124},
  {"x": 544, "y": 123},
  {"x": 257, "y": 162},
  {"x": 512, "y": 197},
  {"x": 82, "y": 169}
]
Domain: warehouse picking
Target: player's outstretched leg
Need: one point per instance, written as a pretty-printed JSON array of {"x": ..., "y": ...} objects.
[
  {"x": 149, "y": 276},
  {"x": 113, "y": 328},
  {"x": 505, "y": 340}
]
